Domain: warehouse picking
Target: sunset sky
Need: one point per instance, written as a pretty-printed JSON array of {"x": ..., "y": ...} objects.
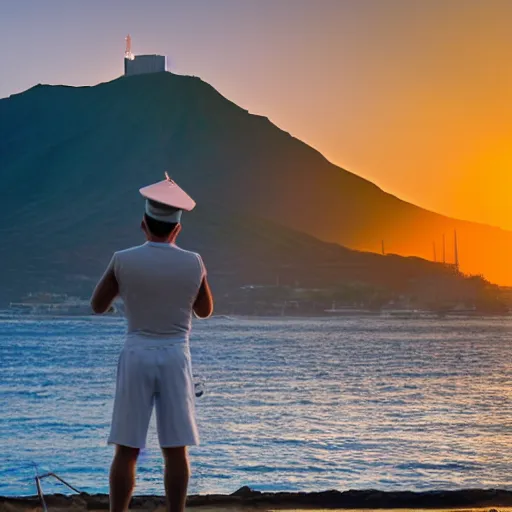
[{"x": 413, "y": 95}]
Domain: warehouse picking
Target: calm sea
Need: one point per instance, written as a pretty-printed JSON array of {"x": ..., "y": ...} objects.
[{"x": 308, "y": 404}]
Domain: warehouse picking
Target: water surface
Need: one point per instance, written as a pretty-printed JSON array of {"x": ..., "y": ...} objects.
[{"x": 309, "y": 404}]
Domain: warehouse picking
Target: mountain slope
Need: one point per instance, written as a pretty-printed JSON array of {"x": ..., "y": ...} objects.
[{"x": 72, "y": 160}]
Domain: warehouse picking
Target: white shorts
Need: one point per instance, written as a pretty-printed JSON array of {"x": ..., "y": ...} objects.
[{"x": 154, "y": 371}]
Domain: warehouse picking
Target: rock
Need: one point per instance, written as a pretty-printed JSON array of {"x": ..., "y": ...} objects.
[
  {"x": 7, "y": 507},
  {"x": 245, "y": 492}
]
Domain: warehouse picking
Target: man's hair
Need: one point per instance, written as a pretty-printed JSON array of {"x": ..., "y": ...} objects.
[{"x": 159, "y": 228}]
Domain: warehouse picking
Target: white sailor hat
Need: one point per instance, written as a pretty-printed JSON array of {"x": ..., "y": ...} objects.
[{"x": 165, "y": 200}]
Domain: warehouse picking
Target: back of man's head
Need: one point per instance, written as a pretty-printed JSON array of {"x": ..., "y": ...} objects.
[{"x": 159, "y": 228}]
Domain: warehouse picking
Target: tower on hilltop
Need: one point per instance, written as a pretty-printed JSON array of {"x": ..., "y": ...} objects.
[{"x": 142, "y": 64}]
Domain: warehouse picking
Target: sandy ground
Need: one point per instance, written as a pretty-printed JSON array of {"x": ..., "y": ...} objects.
[
  {"x": 17, "y": 507},
  {"x": 246, "y": 500}
]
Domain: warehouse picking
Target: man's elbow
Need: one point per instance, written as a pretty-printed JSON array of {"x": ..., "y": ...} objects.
[
  {"x": 97, "y": 308},
  {"x": 203, "y": 312}
]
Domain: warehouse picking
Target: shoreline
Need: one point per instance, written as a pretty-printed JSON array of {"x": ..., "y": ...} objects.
[
  {"x": 428, "y": 316},
  {"x": 245, "y": 498}
]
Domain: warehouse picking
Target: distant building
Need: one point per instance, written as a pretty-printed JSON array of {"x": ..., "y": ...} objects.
[{"x": 142, "y": 64}]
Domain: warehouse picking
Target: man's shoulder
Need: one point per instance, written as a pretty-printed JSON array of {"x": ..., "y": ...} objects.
[
  {"x": 146, "y": 247},
  {"x": 186, "y": 251},
  {"x": 130, "y": 250},
  {"x": 194, "y": 257}
]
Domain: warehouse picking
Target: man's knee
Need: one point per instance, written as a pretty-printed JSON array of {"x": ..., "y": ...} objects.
[
  {"x": 127, "y": 454},
  {"x": 176, "y": 456}
]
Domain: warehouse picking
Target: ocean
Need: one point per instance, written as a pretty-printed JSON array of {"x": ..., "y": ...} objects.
[{"x": 289, "y": 404}]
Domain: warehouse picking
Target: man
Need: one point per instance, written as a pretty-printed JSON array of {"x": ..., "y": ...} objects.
[{"x": 161, "y": 286}]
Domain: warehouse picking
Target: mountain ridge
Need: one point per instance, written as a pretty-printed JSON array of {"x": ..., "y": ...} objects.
[
  {"x": 66, "y": 148},
  {"x": 266, "y": 119}
]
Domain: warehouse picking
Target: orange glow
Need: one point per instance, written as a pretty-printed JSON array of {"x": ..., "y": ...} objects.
[
  {"x": 413, "y": 96},
  {"x": 416, "y": 97}
]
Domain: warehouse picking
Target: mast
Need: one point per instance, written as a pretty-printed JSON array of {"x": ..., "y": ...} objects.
[
  {"x": 128, "y": 52},
  {"x": 456, "y": 249}
]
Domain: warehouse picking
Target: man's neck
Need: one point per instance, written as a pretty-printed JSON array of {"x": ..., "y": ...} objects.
[{"x": 158, "y": 240}]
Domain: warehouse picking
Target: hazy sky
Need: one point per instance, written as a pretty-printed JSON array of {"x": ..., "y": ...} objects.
[{"x": 413, "y": 95}]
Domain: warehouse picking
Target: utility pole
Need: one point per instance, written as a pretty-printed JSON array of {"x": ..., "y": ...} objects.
[{"x": 456, "y": 248}]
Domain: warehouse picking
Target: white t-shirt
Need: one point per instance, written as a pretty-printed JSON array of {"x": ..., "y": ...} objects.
[{"x": 158, "y": 284}]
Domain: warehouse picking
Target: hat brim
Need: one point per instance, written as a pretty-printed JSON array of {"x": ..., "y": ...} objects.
[{"x": 170, "y": 194}]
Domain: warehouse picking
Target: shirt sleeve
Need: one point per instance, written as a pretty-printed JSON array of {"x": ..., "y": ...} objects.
[
  {"x": 113, "y": 266},
  {"x": 201, "y": 265}
]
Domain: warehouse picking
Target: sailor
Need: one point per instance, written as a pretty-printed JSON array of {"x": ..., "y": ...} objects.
[{"x": 162, "y": 286}]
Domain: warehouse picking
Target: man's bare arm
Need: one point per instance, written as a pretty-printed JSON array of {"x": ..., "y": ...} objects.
[
  {"x": 105, "y": 292},
  {"x": 203, "y": 305}
]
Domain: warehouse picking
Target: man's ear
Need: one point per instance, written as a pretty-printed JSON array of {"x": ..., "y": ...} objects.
[
  {"x": 143, "y": 226},
  {"x": 175, "y": 232}
]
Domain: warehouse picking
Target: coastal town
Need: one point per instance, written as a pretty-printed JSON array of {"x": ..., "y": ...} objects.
[{"x": 294, "y": 301}]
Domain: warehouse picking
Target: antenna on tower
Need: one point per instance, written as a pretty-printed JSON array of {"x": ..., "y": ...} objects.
[
  {"x": 456, "y": 249},
  {"x": 444, "y": 250},
  {"x": 128, "y": 52}
]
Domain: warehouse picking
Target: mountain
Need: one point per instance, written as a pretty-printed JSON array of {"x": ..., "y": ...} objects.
[{"x": 73, "y": 158}]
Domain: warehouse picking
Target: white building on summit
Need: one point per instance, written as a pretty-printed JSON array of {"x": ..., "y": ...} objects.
[{"x": 142, "y": 64}]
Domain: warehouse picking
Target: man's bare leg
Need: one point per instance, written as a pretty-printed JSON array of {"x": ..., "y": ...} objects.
[
  {"x": 177, "y": 473},
  {"x": 122, "y": 478}
]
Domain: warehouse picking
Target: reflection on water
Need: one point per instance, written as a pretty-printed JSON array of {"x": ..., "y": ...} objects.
[{"x": 288, "y": 404}]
